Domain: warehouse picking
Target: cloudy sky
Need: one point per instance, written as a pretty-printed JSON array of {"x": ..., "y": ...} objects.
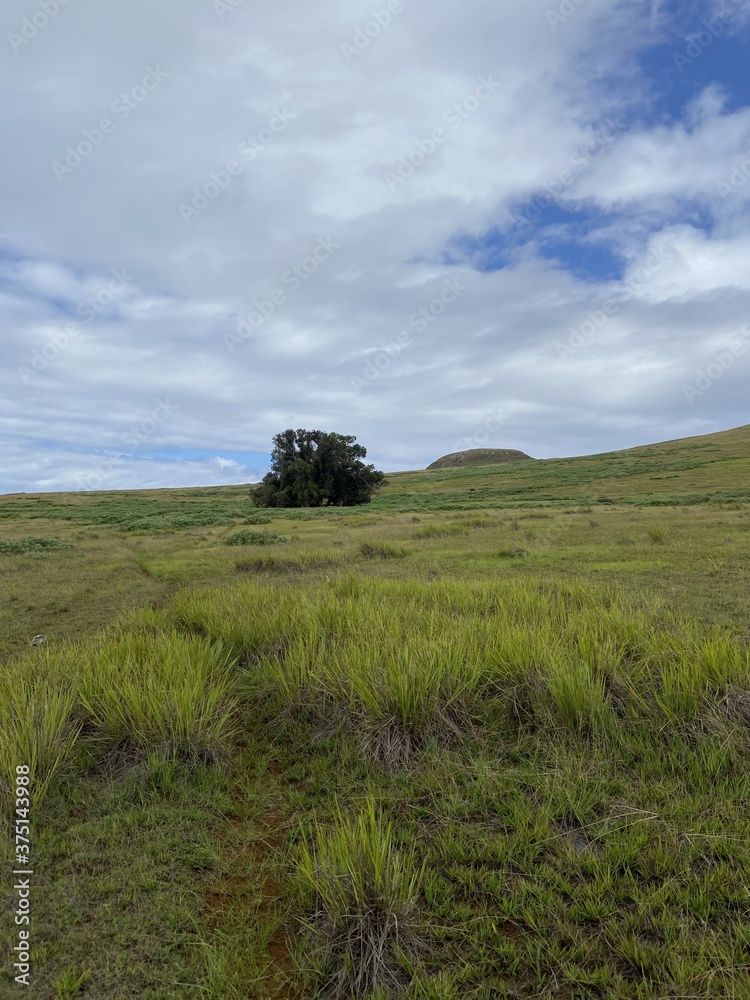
[{"x": 432, "y": 225}]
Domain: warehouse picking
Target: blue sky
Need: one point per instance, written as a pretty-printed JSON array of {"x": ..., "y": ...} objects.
[{"x": 218, "y": 225}]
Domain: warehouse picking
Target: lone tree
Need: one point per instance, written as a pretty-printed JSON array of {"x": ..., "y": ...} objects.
[{"x": 317, "y": 469}]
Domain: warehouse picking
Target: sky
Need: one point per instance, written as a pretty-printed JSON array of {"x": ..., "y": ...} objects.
[{"x": 433, "y": 226}]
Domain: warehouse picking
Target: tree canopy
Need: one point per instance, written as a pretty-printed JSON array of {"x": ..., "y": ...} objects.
[{"x": 317, "y": 469}]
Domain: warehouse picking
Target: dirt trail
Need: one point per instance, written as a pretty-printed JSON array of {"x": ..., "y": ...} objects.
[{"x": 249, "y": 890}]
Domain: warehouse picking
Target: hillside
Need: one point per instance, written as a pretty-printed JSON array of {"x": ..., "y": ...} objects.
[{"x": 712, "y": 467}]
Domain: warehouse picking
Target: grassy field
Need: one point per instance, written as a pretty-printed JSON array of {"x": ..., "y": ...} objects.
[{"x": 488, "y": 736}]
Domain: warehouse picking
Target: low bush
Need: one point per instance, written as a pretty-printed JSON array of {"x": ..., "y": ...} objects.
[
  {"x": 258, "y": 517},
  {"x": 31, "y": 546},
  {"x": 248, "y": 537}
]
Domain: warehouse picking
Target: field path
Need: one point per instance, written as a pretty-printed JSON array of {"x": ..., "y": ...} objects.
[{"x": 245, "y": 909}]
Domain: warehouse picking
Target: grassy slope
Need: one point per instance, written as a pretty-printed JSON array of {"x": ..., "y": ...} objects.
[
  {"x": 674, "y": 471},
  {"x": 560, "y": 864}
]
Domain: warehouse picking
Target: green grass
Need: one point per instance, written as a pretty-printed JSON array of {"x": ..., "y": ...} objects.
[
  {"x": 382, "y": 550},
  {"x": 30, "y": 546},
  {"x": 488, "y": 736},
  {"x": 361, "y": 892},
  {"x": 513, "y": 783},
  {"x": 710, "y": 469},
  {"x": 248, "y": 537},
  {"x": 478, "y": 456}
]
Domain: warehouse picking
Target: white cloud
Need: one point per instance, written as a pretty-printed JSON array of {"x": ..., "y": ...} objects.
[{"x": 323, "y": 175}]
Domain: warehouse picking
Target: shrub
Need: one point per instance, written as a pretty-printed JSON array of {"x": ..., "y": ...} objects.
[
  {"x": 256, "y": 517},
  {"x": 31, "y": 546},
  {"x": 176, "y": 520},
  {"x": 362, "y": 893},
  {"x": 247, "y": 537}
]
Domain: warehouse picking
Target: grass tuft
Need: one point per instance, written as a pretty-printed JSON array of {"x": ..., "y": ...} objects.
[
  {"x": 382, "y": 550},
  {"x": 362, "y": 894},
  {"x": 170, "y": 697},
  {"x": 37, "y": 702},
  {"x": 439, "y": 531}
]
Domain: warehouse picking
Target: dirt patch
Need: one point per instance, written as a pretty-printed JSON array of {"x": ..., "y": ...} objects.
[{"x": 249, "y": 889}]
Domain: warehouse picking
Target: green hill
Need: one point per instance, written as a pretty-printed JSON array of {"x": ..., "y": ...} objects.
[
  {"x": 478, "y": 456},
  {"x": 709, "y": 468}
]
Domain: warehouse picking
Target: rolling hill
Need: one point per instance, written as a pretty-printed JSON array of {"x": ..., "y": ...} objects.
[
  {"x": 704, "y": 469},
  {"x": 478, "y": 456}
]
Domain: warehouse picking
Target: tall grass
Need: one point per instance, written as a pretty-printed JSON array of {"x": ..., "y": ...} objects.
[
  {"x": 37, "y": 724},
  {"x": 361, "y": 893},
  {"x": 402, "y": 665},
  {"x": 406, "y": 664},
  {"x": 382, "y": 550},
  {"x": 249, "y": 618},
  {"x": 143, "y": 695},
  {"x": 131, "y": 696}
]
